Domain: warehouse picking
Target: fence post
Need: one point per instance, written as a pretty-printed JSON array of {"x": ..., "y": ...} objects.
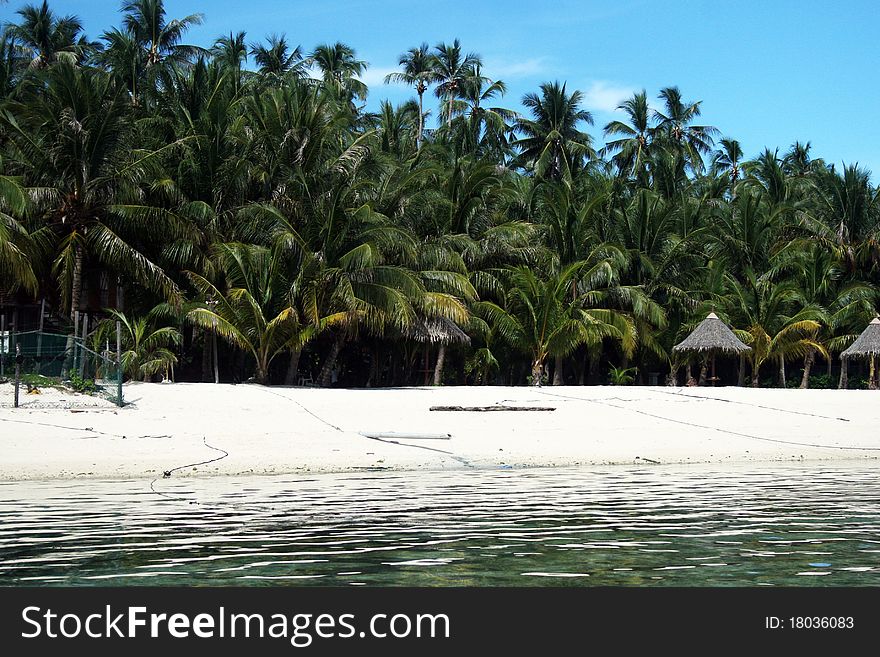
[
  {"x": 40, "y": 337},
  {"x": 83, "y": 354},
  {"x": 17, "y": 371},
  {"x": 3, "y": 343},
  {"x": 118, "y": 363}
]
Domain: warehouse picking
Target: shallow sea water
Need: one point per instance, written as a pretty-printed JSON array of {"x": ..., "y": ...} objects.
[{"x": 805, "y": 524}]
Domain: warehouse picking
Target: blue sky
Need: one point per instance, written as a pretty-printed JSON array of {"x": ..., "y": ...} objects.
[{"x": 768, "y": 73}]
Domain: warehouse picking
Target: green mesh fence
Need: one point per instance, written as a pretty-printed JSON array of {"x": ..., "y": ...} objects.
[{"x": 52, "y": 357}]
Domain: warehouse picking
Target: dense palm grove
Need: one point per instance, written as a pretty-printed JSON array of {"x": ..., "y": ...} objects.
[{"x": 261, "y": 223}]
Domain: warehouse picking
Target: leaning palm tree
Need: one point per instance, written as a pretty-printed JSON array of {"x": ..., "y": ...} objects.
[
  {"x": 419, "y": 67},
  {"x": 253, "y": 311},
  {"x": 552, "y": 141}
]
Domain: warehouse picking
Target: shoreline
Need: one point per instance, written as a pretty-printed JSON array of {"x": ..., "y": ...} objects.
[{"x": 186, "y": 427}]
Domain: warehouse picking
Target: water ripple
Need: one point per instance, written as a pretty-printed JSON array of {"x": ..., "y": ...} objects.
[{"x": 792, "y": 525}]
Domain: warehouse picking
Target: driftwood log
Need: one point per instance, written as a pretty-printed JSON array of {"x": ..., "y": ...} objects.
[{"x": 486, "y": 409}]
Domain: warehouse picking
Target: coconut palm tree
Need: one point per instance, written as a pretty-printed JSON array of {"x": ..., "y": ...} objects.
[
  {"x": 631, "y": 149},
  {"x": 276, "y": 59},
  {"x": 728, "y": 161},
  {"x": 552, "y": 142},
  {"x": 16, "y": 246},
  {"x": 451, "y": 68},
  {"x": 676, "y": 128},
  {"x": 73, "y": 146},
  {"x": 540, "y": 317},
  {"x": 340, "y": 69},
  {"x": 419, "y": 68},
  {"x": 48, "y": 37},
  {"x": 147, "y": 349},
  {"x": 160, "y": 38}
]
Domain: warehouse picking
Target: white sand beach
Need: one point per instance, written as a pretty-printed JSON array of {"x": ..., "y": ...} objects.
[{"x": 267, "y": 430}]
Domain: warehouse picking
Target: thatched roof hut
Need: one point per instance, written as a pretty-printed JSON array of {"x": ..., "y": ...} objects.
[
  {"x": 867, "y": 344},
  {"x": 711, "y": 336},
  {"x": 436, "y": 330}
]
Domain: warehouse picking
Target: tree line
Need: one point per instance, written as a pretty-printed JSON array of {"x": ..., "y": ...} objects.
[{"x": 261, "y": 222}]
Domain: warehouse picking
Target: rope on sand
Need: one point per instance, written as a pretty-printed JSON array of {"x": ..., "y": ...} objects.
[{"x": 710, "y": 428}]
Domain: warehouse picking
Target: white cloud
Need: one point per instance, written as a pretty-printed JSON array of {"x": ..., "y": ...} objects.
[
  {"x": 375, "y": 76},
  {"x": 605, "y": 96},
  {"x": 502, "y": 70}
]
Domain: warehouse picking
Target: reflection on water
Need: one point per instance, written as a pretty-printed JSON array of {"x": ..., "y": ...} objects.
[{"x": 794, "y": 525}]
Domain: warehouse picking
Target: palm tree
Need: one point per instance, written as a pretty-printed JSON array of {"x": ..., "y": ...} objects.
[
  {"x": 675, "y": 126},
  {"x": 48, "y": 37},
  {"x": 146, "y": 347},
  {"x": 539, "y": 317},
  {"x": 486, "y": 130},
  {"x": 779, "y": 324},
  {"x": 340, "y": 69},
  {"x": 159, "y": 37},
  {"x": 253, "y": 311},
  {"x": 451, "y": 69},
  {"x": 276, "y": 59},
  {"x": 419, "y": 68},
  {"x": 230, "y": 51},
  {"x": 630, "y": 150},
  {"x": 552, "y": 142},
  {"x": 73, "y": 146},
  {"x": 16, "y": 246},
  {"x": 728, "y": 160}
]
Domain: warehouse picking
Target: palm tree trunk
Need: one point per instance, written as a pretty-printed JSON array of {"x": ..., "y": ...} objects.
[
  {"x": 330, "y": 363},
  {"x": 782, "y": 371},
  {"x": 741, "y": 373},
  {"x": 558, "y": 379},
  {"x": 206, "y": 358},
  {"x": 872, "y": 381},
  {"x": 704, "y": 369},
  {"x": 76, "y": 285},
  {"x": 292, "y": 367},
  {"x": 438, "y": 367},
  {"x": 756, "y": 372},
  {"x": 216, "y": 359},
  {"x": 844, "y": 378},
  {"x": 672, "y": 377},
  {"x": 691, "y": 381},
  {"x": 421, "y": 121},
  {"x": 809, "y": 359},
  {"x": 537, "y": 372}
]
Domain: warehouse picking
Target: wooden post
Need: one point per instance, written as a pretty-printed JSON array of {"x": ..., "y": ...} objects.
[
  {"x": 82, "y": 350},
  {"x": 17, "y": 371},
  {"x": 844, "y": 379},
  {"x": 4, "y": 344},
  {"x": 118, "y": 363},
  {"x": 40, "y": 337},
  {"x": 714, "y": 379},
  {"x": 71, "y": 357}
]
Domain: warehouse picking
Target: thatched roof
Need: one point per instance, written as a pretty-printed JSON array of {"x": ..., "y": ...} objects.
[
  {"x": 711, "y": 335},
  {"x": 867, "y": 344},
  {"x": 436, "y": 330}
]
